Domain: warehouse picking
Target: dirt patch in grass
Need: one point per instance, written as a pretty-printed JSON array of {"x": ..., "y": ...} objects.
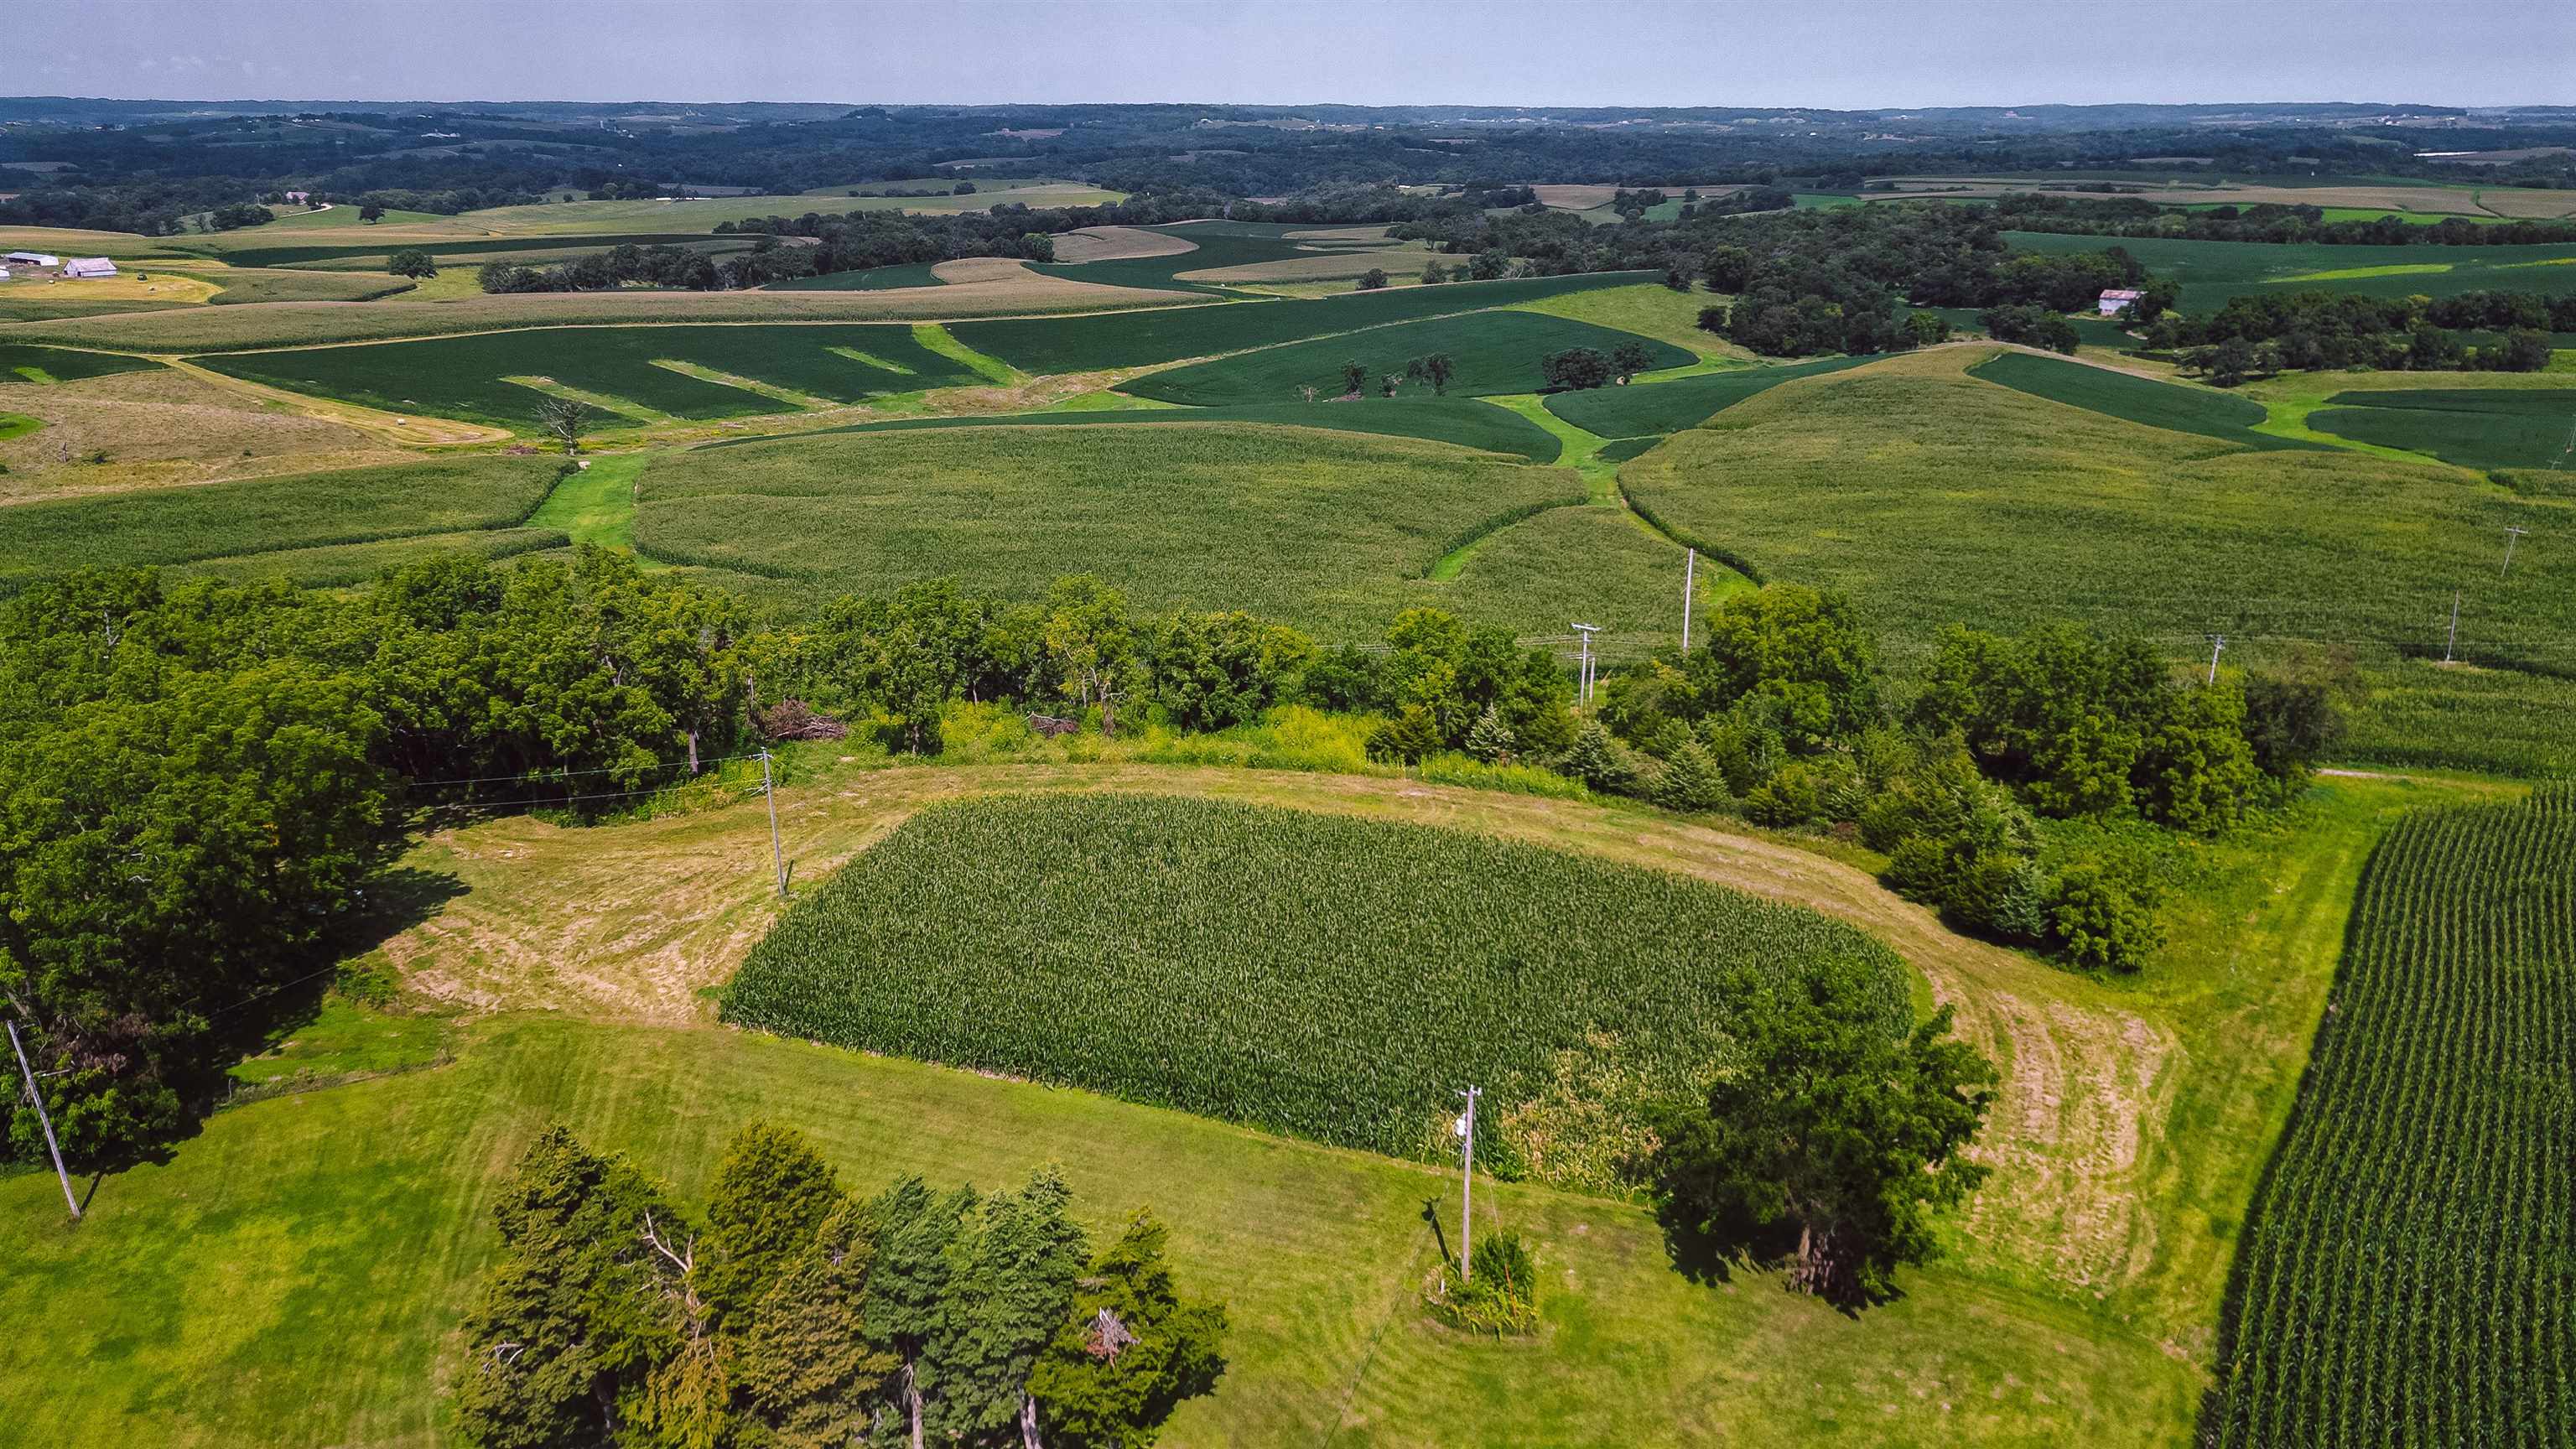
[
  {"x": 1118, "y": 243},
  {"x": 161, "y": 427}
]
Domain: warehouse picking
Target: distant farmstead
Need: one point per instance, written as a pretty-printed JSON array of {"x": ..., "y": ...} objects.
[
  {"x": 89, "y": 267},
  {"x": 299, "y": 197},
  {"x": 32, "y": 259},
  {"x": 2118, "y": 300}
]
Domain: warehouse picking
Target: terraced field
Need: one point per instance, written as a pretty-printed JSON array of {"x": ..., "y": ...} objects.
[
  {"x": 624, "y": 368},
  {"x": 1237, "y": 252},
  {"x": 2176, "y": 407},
  {"x": 1460, "y": 420}
]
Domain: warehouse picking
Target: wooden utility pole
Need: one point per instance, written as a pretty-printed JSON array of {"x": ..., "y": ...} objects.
[
  {"x": 2451, "y": 641},
  {"x": 1467, "y": 1187},
  {"x": 777, "y": 855},
  {"x": 38, "y": 1100},
  {"x": 2512, "y": 536},
  {"x": 2217, "y": 642}
]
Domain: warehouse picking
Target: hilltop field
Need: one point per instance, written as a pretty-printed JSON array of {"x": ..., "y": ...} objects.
[{"x": 1232, "y": 965}]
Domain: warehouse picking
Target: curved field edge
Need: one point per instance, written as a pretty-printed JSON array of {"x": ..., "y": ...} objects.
[{"x": 1234, "y": 960}]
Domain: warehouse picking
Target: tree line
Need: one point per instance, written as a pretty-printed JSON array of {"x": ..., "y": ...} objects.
[
  {"x": 2261, "y": 335},
  {"x": 2289, "y": 225},
  {"x": 795, "y": 1315}
]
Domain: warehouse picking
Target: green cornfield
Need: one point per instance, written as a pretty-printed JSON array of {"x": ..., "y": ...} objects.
[
  {"x": 2409, "y": 1277},
  {"x": 1328, "y": 978}
]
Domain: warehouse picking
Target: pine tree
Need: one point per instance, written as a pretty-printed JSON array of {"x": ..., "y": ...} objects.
[
  {"x": 906, "y": 1305},
  {"x": 1692, "y": 780},
  {"x": 772, "y": 1193},
  {"x": 1014, "y": 1274},
  {"x": 806, "y": 1366},
  {"x": 1129, "y": 1352},
  {"x": 1490, "y": 740},
  {"x": 1595, "y": 760}
]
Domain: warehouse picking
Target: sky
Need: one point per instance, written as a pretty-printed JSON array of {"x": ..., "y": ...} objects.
[{"x": 1849, "y": 54}]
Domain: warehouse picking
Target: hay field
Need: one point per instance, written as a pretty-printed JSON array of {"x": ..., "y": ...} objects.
[
  {"x": 159, "y": 427},
  {"x": 1118, "y": 243},
  {"x": 1017, "y": 292}
]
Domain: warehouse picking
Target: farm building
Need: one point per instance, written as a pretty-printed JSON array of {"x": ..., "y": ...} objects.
[
  {"x": 2118, "y": 300},
  {"x": 89, "y": 267},
  {"x": 298, "y": 198},
  {"x": 32, "y": 259}
]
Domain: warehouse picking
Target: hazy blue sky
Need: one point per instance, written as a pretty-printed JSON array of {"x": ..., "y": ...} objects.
[{"x": 1844, "y": 53}]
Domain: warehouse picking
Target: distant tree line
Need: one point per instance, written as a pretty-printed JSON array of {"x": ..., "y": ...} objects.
[
  {"x": 2261, "y": 222},
  {"x": 2261, "y": 335},
  {"x": 795, "y": 1315}
]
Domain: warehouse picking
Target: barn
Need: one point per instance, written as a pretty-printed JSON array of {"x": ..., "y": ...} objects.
[
  {"x": 2119, "y": 300},
  {"x": 32, "y": 259},
  {"x": 89, "y": 267}
]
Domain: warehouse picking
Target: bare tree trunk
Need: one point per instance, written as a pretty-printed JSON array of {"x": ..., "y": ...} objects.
[
  {"x": 693, "y": 752},
  {"x": 1029, "y": 1423},
  {"x": 1108, "y": 716},
  {"x": 912, "y": 1402}
]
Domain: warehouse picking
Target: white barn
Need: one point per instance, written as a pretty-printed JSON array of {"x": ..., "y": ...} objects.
[
  {"x": 89, "y": 267},
  {"x": 32, "y": 259},
  {"x": 2119, "y": 300}
]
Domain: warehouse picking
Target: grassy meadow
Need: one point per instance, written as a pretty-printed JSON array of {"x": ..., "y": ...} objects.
[{"x": 2175, "y": 407}]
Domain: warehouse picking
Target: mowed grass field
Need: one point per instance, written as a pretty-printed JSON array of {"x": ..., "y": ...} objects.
[
  {"x": 1332, "y": 532},
  {"x": 23, "y": 364},
  {"x": 2473, "y": 427},
  {"x": 2213, "y": 271},
  {"x": 1936, "y": 497},
  {"x": 1495, "y": 352},
  {"x": 224, "y": 525},
  {"x": 1150, "y": 338}
]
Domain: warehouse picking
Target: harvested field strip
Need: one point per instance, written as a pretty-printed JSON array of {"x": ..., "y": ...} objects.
[
  {"x": 1466, "y": 422},
  {"x": 2177, "y": 407},
  {"x": 1495, "y": 352},
  {"x": 220, "y": 520},
  {"x": 1647, "y": 408},
  {"x": 1258, "y": 951},
  {"x": 789, "y": 396},
  {"x": 2410, "y": 1262},
  {"x": 605, "y": 402},
  {"x": 465, "y": 376},
  {"x": 1146, "y": 338},
  {"x": 20, "y": 363},
  {"x": 874, "y": 279}
]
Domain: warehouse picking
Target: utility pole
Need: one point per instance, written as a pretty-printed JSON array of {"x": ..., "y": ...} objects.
[
  {"x": 776, "y": 854},
  {"x": 1587, "y": 631},
  {"x": 2512, "y": 536},
  {"x": 47, "y": 1122},
  {"x": 1466, "y": 1186},
  {"x": 2217, "y": 642},
  {"x": 1690, "y": 565},
  {"x": 2453, "y": 639}
]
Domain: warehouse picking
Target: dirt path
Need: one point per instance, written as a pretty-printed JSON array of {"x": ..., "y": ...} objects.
[{"x": 639, "y": 922}]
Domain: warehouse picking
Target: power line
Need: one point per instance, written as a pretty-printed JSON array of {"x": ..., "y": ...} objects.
[{"x": 533, "y": 776}]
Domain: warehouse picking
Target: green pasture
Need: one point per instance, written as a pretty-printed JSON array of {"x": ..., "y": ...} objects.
[
  {"x": 1464, "y": 421},
  {"x": 1640, "y": 409},
  {"x": 1496, "y": 352},
  {"x": 1331, "y": 531},
  {"x": 1649, "y": 309},
  {"x": 2178, "y": 407},
  {"x": 2473, "y": 427},
  {"x": 2213, "y": 271},
  {"x": 1148, "y": 338},
  {"x": 466, "y": 377},
  {"x": 1935, "y": 498},
  {"x": 22, "y": 363},
  {"x": 874, "y": 279},
  {"x": 17, "y": 425},
  {"x": 268, "y": 517}
]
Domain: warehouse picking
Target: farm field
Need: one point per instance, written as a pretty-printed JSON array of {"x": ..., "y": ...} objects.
[
  {"x": 1333, "y": 532},
  {"x": 468, "y": 377},
  {"x": 1649, "y": 309},
  {"x": 1150, "y": 338},
  {"x": 1256, "y": 950},
  {"x": 1935, "y": 497},
  {"x": 2176, "y": 407},
  {"x": 40, "y": 365},
  {"x": 1011, "y": 291},
  {"x": 159, "y": 426},
  {"x": 1683, "y": 402},
  {"x": 2213, "y": 271},
  {"x": 1465, "y": 421},
  {"x": 2406, "y": 1271},
  {"x": 265, "y": 515},
  {"x": 2473, "y": 427},
  {"x": 874, "y": 279},
  {"x": 2341, "y": 197},
  {"x": 1495, "y": 352},
  {"x": 1224, "y": 253}
]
